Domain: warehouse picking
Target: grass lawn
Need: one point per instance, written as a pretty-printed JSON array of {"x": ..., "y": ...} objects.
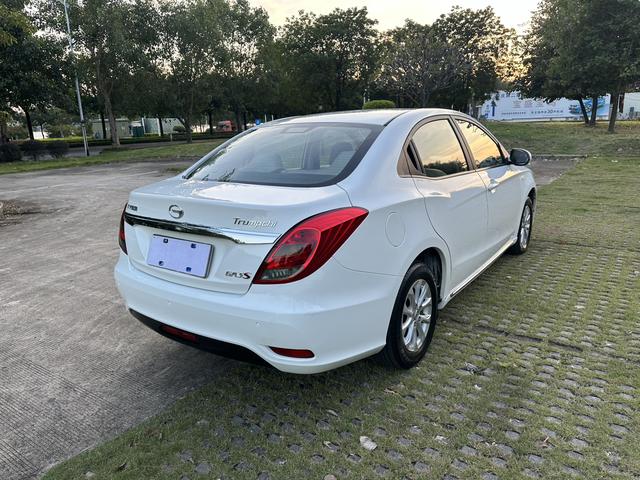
[
  {"x": 569, "y": 137},
  {"x": 534, "y": 372},
  {"x": 179, "y": 150}
]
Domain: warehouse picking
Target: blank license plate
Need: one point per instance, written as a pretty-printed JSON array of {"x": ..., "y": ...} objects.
[{"x": 181, "y": 256}]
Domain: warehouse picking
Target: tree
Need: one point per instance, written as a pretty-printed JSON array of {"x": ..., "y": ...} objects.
[
  {"x": 33, "y": 70},
  {"x": 418, "y": 63},
  {"x": 597, "y": 52},
  {"x": 54, "y": 120},
  {"x": 193, "y": 45},
  {"x": 248, "y": 34},
  {"x": 541, "y": 46},
  {"x": 332, "y": 57},
  {"x": 118, "y": 40},
  {"x": 483, "y": 43},
  {"x": 12, "y": 20}
]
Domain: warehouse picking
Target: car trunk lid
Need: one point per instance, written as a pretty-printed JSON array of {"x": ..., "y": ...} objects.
[{"x": 241, "y": 222}]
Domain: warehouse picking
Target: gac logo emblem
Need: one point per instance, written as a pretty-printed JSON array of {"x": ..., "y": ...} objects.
[
  {"x": 244, "y": 275},
  {"x": 175, "y": 211}
]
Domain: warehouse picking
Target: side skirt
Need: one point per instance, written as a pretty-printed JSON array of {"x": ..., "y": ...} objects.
[{"x": 461, "y": 286}]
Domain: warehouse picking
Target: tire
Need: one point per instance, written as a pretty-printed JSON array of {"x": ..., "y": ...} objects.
[
  {"x": 405, "y": 350},
  {"x": 524, "y": 229}
]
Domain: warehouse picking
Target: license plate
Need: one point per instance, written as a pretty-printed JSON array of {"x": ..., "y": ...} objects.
[{"x": 184, "y": 256}]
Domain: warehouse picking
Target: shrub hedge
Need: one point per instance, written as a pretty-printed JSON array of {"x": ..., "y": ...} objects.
[
  {"x": 57, "y": 149},
  {"x": 10, "y": 152},
  {"x": 374, "y": 104},
  {"x": 33, "y": 148}
]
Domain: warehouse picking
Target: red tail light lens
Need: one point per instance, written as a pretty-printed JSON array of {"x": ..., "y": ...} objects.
[
  {"x": 308, "y": 245},
  {"x": 121, "y": 238}
]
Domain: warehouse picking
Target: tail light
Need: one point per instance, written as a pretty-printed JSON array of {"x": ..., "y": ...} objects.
[
  {"x": 308, "y": 245},
  {"x": 121, "y": 238}
]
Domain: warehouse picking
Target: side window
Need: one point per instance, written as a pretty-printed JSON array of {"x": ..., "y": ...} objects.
[
  {"x": 439, "y": 149},
  {"x": 484, "y": 150}
]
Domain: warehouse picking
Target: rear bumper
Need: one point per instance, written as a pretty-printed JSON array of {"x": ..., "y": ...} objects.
[
  {"x": 339, "y": 314},
  {"x": 203, "y": 343}
]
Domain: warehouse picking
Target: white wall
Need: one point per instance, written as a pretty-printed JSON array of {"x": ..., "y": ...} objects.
[{"x": 510, "y": 106}]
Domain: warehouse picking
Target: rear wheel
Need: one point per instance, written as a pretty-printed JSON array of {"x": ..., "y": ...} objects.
[
  {"x": 524, "y": 230},
  {"x": 413, "y": 319}
]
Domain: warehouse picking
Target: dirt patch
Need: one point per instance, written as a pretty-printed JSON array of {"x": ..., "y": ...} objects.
[
  {"x": 546, "y": 169},
  {"x": 12, "y": 210}
]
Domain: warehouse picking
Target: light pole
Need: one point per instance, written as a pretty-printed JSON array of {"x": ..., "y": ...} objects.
[{"x": 82, "y": 124}]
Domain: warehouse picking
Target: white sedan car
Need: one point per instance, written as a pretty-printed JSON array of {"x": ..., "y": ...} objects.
[{"x": 312, "y": 242}]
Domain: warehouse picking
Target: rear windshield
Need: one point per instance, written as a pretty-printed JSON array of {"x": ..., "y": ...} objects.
[{"x": 292, "y": 155}]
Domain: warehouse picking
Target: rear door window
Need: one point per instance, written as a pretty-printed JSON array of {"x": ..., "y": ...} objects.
[
  {"x": 439, "y": 150},
  {"x": 291, "y": 155}
]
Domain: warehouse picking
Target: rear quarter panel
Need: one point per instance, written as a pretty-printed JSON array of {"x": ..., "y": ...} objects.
[{"x": 397, "y": 229}]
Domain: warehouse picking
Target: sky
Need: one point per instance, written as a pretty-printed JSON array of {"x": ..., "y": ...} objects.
[{"x": 392, "y": 13}]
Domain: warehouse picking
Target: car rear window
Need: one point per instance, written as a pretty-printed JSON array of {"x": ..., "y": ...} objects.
[{"x": 312, "y": 154}]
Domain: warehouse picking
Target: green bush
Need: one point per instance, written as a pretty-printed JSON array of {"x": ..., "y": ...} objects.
[
  {"x": 57, "y": 149},
  {"x": 179, "y": 129},
  {"x": 33, "y": 148},
  {"x": 375, "y": 104},
  {"x": 10, "y": 152}
]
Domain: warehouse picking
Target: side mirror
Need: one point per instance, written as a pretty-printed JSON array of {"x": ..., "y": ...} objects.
[{"x": 520, "y": 157}]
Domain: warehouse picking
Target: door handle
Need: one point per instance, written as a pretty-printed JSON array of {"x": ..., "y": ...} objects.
[{"x": 493, "y": 184}]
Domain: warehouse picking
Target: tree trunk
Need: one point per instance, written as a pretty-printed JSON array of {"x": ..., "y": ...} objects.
[
  {"x": 113, "y": 125},
  {"x": 4, "y": 138},
  {"x": 238, "y": 120},
  {"x": 29, "y": 124},
  {"x": 583, "y": 109},
  {"x": 423, "y": 97},
  {"x": 161, "y": 127},
  {"x": 187, "y": 129},
  {"x": 594, "y": 110},
  {"x": 104, "y": 126},
  {"x": 244, "y": 120},
  {"x": 615, "y": 99},
  {"x": 209, "y": 114}
]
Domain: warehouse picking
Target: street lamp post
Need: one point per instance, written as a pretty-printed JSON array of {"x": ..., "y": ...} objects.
[{"x": 82, "y": 122}]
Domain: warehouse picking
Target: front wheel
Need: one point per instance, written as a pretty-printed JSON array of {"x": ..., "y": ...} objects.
[
  {"x": 524, "y": 230},
  {"x": 413, "y": 319}
]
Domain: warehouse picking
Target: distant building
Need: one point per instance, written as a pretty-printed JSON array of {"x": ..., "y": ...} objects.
[
  {"x": 121, "y": 123},
  {"x": 510, "y": 106},
  {"x": 630, "y": 106},
  {"x": 132, "y": 128},
  {"x": 152, "y": 125}
]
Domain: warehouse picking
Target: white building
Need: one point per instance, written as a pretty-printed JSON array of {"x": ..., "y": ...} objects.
[{"x": 631, "y": 106}]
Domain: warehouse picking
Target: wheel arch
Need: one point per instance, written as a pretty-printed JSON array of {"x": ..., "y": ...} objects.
[
  {"x": 435, "y": 258},
  {"x": 533, "y": 195}
]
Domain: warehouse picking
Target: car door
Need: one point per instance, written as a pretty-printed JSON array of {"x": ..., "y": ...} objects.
[
  {"x": 501, "y": 179},
  {"x": 454, "y": 194}
]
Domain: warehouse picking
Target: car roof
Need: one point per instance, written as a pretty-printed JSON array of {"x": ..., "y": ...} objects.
[{"x": 372, "y": 117}]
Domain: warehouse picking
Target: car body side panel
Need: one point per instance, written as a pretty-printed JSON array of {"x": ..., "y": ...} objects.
[
  {"x": 397, "y": 229},
  {"x": 505, "y": 196}
]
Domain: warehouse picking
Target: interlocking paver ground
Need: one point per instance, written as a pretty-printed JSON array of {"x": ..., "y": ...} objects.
[{"x": 534, "y": 372}]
